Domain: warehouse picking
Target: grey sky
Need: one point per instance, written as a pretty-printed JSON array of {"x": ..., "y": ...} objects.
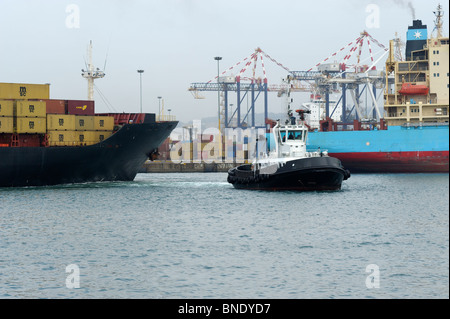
[{"x": 175, "y": 42}]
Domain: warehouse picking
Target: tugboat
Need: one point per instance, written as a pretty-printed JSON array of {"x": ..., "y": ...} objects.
[{"x": 289, "y": 166}]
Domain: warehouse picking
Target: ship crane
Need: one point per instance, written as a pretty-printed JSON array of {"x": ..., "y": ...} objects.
[
  {"x": 246, "y": 86},
  {"x": 91, "y": 74},
  {"x": 343, "y": 76}
]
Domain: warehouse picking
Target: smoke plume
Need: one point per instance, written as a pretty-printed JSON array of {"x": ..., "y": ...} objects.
[{"x": 408, "y": 5}]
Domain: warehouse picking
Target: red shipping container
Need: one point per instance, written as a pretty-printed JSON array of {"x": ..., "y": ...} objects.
[
  {"x": 56, "y": 106},
  {"x": 29, "y": 140},
  {"x": 76, "y": 107}
]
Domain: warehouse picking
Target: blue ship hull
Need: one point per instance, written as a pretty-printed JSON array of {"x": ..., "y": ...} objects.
[{"x": 412, "y": 149}]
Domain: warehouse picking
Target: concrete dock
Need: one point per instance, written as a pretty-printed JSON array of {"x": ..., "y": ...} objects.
[{"x": 170, "y": 167}]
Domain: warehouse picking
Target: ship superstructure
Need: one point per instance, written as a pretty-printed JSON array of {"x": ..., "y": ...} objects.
[
  {"x": 417, "y": 90},
  {"x": 318, "y": 111}
]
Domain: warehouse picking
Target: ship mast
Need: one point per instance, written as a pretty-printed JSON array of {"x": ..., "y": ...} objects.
[
  {"x": 399, "y": 46},
  {"x": 439, "y": 14},
  {"x": 91, "y": 74}
]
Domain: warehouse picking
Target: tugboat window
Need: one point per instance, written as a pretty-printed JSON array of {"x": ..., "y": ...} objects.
[
  {"x": 291, "y": 136},
  {"x": 298, "y": 135},
  {"x": 283, "y": 136}
]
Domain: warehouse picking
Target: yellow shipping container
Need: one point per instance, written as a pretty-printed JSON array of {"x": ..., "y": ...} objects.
[
  {"x": 86, "y": 137},
  {"x": 6, "y": 108},
  {"x": 101, "y": 136},
  {"x": 6, "y": 124},
  {"x": 62, "y": 138},
  {"x": 91, "y": 137},
  {"x": 84, "y": 123},
  {"x": 31, "y": 109},
  {"x": 104, "y": 123},
  {"x": 60, "y": 122},
  {"x": 24, "y": 91},
  {"x": 30, "y": 125}
]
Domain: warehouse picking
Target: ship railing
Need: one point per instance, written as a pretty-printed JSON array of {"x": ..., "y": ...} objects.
[
  {"x": 317, "y": 153},
  {"x": 417, "y": 125},
  {"x": 165, "y": 118},
  {"x": 126, "y": 118}
]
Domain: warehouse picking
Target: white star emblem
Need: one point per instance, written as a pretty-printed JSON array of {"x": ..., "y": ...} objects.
[{"x": 418, "y": 35}]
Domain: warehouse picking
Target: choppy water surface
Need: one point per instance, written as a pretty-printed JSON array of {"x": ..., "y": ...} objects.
[{"x": 195, "y": 236}]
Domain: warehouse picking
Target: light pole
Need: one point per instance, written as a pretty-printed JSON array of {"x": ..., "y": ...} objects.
[
  {"x": 218, "y": 58},
  {"x": 140, "y": 75},
  {"x": 159, "y": 109}
]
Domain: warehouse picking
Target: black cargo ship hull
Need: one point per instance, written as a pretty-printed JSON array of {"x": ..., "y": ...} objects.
[
  {"x": 118, "y": 158},
  {"x": 306, "y": 174}
]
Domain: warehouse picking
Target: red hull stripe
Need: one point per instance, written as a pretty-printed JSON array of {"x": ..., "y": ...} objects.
[{"x": 395, "y": 162}]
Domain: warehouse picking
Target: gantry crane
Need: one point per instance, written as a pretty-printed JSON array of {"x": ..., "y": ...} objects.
[
  {"x": 253, "y": 86},
  {"x": 325, "y": 79},
  {"x": 343, "y": 76}
]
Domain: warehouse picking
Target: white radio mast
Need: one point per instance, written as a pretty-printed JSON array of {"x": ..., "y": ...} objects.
[
  {"x": 91, "y": 74},
  {"x": 439, "y": 13}
]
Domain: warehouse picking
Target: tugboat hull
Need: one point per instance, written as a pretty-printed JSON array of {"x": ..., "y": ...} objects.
[{"x": 306, "y": 174}]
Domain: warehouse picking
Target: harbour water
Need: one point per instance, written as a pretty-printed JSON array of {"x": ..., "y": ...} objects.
[{"x": 192, "y": 235}]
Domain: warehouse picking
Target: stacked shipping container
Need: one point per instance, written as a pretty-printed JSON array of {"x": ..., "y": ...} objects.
[
  {"x": 73, "y": 130},
  {"x": 56, "y": 106},
  {"x": 29, "y": 118},
  {"x": 19, "y": 91},
  {"x": 6, "y": 116}
]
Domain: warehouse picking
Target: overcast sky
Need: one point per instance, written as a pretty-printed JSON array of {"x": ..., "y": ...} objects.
[{"x": 175, "y": 42}]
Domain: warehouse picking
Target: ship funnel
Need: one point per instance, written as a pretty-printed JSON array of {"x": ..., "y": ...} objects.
[{"x": 416, "y": 39}]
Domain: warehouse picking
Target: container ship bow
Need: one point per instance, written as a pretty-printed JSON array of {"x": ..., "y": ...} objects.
[
  {"x": 413, "y": 136},
  {"x": 50, "y": 142}
]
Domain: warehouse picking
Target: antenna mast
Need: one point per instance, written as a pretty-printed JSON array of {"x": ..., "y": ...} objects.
[
  {"x": 399, "y": 45},
  {"x": 91, "y": 74},
  {"x": 439, "y": 14}
]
